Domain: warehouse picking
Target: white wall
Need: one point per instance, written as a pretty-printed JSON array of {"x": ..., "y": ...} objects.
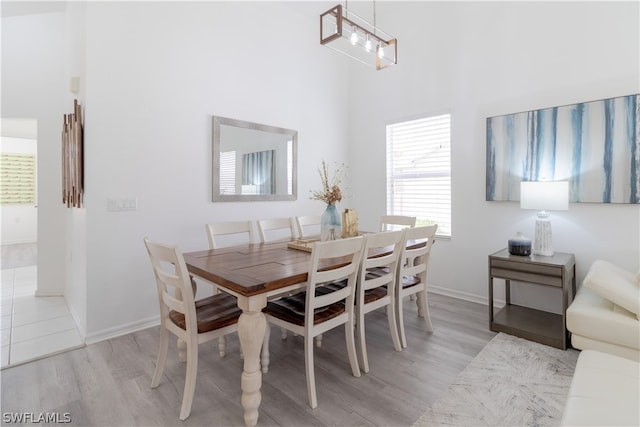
[
  {"x": 481, "y": 59},
  {"x": 153, "y": 74},
  {"x": 152, "y": 88},
  {"x": 33, "y": 86}
]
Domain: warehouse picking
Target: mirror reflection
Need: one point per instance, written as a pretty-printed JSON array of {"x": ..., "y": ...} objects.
[{"x": 253, "y": 161}]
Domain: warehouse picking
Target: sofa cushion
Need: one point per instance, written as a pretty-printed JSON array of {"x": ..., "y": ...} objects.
[
  {"x": 597, "y": 318},
  {"x": 615, "y": 284},
  {"x": 604, "y": 391}
]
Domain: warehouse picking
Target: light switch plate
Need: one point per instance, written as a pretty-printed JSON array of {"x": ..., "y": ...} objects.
[{"x": 122, "y": 204}]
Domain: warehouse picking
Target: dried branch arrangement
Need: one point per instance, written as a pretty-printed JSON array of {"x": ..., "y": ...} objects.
[{"x": 72, "y": 158}]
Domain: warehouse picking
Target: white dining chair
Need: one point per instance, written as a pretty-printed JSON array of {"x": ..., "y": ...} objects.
[
  {"x": 412, "y": 275},
  {"x": 308, "y": 226},
  {"x": 377, "y": 286},
  {"x": 193, "y": 322},
  {"x": 223, "y": 234},
  {"x": 276, "y": 229},
  {"x": 321, "y": 308},
  {"x": 395, "y": 222}
]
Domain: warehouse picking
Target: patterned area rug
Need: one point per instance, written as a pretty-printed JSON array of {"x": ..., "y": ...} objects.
[{"x": 511, "y": 382}]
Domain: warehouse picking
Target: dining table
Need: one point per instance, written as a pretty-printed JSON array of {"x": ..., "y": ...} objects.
[{"x": 253, "y": 273}]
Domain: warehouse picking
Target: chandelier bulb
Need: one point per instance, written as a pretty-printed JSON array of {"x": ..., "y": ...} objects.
[
  {"x": 354, "y": 36},
  {"x": 380, "y": 51},
  {"x": 367, "y": 44}
]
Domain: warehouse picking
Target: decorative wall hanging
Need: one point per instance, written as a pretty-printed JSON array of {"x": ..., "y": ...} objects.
[
  {"x": 72, "y": 158},
  {"x": 594, "y": 145}
]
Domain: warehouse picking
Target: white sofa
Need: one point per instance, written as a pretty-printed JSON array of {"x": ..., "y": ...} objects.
[
  {"x": 605, "y": 391},
  {"x": 604, "y": 314}
]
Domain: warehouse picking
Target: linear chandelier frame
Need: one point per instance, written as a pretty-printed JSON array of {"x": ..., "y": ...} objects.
[{"x": 347, "y": 33}]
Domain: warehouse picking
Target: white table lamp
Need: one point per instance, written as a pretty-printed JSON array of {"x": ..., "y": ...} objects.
[{"x": 544, "y": 196}]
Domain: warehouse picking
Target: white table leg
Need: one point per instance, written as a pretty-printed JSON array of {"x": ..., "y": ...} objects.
[{"x": 251, "y": 330}]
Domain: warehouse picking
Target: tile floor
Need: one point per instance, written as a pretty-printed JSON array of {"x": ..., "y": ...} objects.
[{"x": 32, "y": 327}]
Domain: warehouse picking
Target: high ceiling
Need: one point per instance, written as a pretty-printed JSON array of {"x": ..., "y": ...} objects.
[{"x": 26, "y": 7}]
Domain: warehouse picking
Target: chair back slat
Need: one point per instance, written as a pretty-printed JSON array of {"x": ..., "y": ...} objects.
[
  {"x": 380, "y": 270},
  {"x": 395, "y": 222},
  {"x": 275, "y": 229},
  {"x": 351, "y": 250},
  {"x": 306, "y": 223},
  {"x": 324, "y": 300},
  {"x": 173, "y": 303},
  {"x": 171, "y": 275},
  {"x": 224, "y": 234}
]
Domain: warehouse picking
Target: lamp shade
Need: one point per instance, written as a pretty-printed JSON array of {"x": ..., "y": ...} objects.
[{"x": 544, "y": 195}]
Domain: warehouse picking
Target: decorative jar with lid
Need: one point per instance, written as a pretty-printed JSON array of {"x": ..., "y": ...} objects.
[{"x": 520, "y": 245}]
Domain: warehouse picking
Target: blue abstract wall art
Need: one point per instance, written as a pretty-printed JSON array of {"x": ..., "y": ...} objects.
[{"x": 594, "y": 145}]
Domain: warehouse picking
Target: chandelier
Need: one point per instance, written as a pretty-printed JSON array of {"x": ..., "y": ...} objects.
[{"x": 347, "y": 33}]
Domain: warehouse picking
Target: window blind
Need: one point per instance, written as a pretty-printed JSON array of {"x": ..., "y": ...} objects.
[
  {"x": 228, "y": 173},
  {"x": 290, "y": 167},
  {"x": 419, "y": 171},
  {"x": 18, "y": 179}
]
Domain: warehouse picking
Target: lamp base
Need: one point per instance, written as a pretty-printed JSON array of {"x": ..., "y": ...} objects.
[{"x": 542, "y": 239}]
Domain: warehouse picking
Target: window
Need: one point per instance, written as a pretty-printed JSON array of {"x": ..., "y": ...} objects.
[
  {"x": 419, "y": 171},
  {"x": 290, "y": 167},
  {"x": 18, "y": 179},
  {"x": 228, "y": 172}
]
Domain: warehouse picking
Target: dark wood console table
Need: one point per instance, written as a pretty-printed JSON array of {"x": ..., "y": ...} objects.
[{"x": 555, "y": 271}]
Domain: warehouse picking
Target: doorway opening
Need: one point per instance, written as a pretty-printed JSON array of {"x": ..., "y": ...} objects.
[{"x": 31, "y": 327}]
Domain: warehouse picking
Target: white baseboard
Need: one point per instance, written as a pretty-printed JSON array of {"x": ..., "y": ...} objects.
[
  {"x": 466, "y": 296},
  {"x": 54, "y": 293},
  {"x": 109, "y": 333},
  {"x": 117, "y": 331},
  {"x": 18, "y": 242},
  {"x": 76, "y": 320}
]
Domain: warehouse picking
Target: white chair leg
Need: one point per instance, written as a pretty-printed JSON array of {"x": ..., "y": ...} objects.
[
  {"x": 190, "y": 381},
  {"x": 182, "y": 350},
  {"x": 264, "y": 356},
  {"x": 310, "y": 372},
  {"x": 162, "y": 357},
  {"x": 364, "y": 359},
  {"x": 222, "y": 346},
  {"x": 319, "y": 341},
  {"x": 400, "y": 322},
  {"x": 351, "y": 347},
  {"x": 423, "y": 309},
  {"x": 393, "y": 327}
]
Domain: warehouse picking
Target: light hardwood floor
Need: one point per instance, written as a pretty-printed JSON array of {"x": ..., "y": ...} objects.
[{"x": 107, "y": 383}]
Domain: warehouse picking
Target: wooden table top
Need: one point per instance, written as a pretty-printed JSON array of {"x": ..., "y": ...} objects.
[
  {"x": 256, "y": 269},
  {"x": 251, "y": 269}
]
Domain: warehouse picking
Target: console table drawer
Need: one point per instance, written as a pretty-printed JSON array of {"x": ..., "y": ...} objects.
[
  {"x": 525, "y": 276},
  {"x": 547, "y": 270}
]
